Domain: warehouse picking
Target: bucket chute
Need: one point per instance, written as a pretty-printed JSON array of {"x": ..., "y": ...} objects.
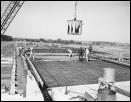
[{"x": 74, "y": 26}]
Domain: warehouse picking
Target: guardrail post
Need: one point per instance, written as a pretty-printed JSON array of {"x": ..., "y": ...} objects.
[{"x": 12, "y": 89}]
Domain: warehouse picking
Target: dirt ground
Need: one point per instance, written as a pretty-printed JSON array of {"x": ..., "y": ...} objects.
[{"x": 7, "y": 48}]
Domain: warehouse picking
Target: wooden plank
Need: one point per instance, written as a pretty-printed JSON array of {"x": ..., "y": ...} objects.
[
  {"x": 24, "y": 62},
  {"x": 54, "y": 54},
  {"x": 121, "y": 91},
  {"x": 35, "y": 71},
  {"x": 21, "y": 73},
  {"x": 108, "y": 60}
]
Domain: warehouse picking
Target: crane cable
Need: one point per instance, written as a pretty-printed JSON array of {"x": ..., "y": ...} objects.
[{"x": 75, "y": 10}]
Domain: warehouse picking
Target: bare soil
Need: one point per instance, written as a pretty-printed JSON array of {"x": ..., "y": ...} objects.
[{"x": 7, "y": 48}]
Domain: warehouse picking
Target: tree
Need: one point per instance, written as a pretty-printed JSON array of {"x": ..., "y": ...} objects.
[
  {"x": 97, "y": 43},
  {"x": 41, "y": 39},
  {"x": 59, "y": 40},
  {"x": 6, "y": 38},
  {"x": 71, "y": 42}
]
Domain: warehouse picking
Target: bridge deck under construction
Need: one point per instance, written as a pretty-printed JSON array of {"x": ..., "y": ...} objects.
[{"x": 74, "y": 72}]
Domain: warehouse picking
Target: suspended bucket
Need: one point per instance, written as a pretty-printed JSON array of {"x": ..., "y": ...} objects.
[{"x": 74, "y": 27}]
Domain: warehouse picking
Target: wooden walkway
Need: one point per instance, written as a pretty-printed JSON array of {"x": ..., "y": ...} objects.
[{"x": 21, "y": 74}]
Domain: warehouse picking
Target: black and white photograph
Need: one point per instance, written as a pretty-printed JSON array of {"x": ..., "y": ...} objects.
[{"x": 65, "y": 50}]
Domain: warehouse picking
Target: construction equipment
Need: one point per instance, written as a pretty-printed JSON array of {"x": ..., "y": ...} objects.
[
  {"x": 9, "y": 14},
  {"x": 74, "y": 26}
]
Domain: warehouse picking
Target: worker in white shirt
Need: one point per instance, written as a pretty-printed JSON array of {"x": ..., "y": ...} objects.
[
  {"x": 31, "y": 53},
  {"x": 87, "y": 54},
  {"x": 70, "y": 53},
  {"x": 121, "y": 56},
  {"x": 90, "y": 49},
  {"x": 19, "y": 51}
]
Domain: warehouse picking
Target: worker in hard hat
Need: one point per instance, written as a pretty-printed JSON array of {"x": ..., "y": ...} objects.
[
  {"x": 32, "y": 53},
  {"x": 87, "y": 52},
  {"x": 70, "y": 53}
]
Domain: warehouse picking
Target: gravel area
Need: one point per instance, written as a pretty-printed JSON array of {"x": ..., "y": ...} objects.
[{"x": 7, "y": 48}]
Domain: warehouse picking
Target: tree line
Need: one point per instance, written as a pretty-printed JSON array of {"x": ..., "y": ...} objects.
[
  {"x": 6, "y": 38},
  {"x": 10, "y": 38},
  {"x": 49, "y": 40}
]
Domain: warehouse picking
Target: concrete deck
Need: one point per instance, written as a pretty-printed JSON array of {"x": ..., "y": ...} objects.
[
  {"x": 56, "y": 58},
  {"x": 58, "y": 93},
  {"x": 62, "y": 73},
  {"x": 33, "y": 93},
  {"x": 7, "y": 97}
]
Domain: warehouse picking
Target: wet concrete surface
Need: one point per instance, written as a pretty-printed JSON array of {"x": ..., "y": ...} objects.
[{"x": 56, "y": 73}]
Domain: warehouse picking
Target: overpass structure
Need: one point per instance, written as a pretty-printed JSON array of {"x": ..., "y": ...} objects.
[{"x": 56, "y": 77}]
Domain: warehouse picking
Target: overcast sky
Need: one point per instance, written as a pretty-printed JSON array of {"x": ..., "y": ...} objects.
[{"x": 103, "y": 20}]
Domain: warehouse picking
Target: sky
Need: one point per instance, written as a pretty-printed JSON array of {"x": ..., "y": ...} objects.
[{"x": 103, "y": 20}]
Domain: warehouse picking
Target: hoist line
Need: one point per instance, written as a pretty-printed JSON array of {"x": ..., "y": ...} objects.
[{"x": 75, "y": 9}]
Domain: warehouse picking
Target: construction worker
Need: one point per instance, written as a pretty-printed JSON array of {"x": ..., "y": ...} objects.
[
  {"x": 19, "y": 51},
  {"x": 32, "y": 53},
  {"x": 81, "y": 52},
  {"x": 90, "y": 49},
  {"x": 121, "y": 56},
  {"x": 25, "y": 45},
  {"x": 87, "y": 52},
  {"x": 37, "y": 45},
  {"x": 70, "y": 53}
]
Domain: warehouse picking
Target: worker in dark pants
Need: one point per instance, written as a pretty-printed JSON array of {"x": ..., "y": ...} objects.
[
  {"x": 90, "y": 49},
  {"x": 81, "y": 53}
]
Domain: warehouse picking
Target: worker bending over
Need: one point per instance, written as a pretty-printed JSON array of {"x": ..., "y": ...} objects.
[
  {"x": 87, "y": 52},
  {"x": 70, "y": 53},
  {"x": 32, "y": 53}
]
